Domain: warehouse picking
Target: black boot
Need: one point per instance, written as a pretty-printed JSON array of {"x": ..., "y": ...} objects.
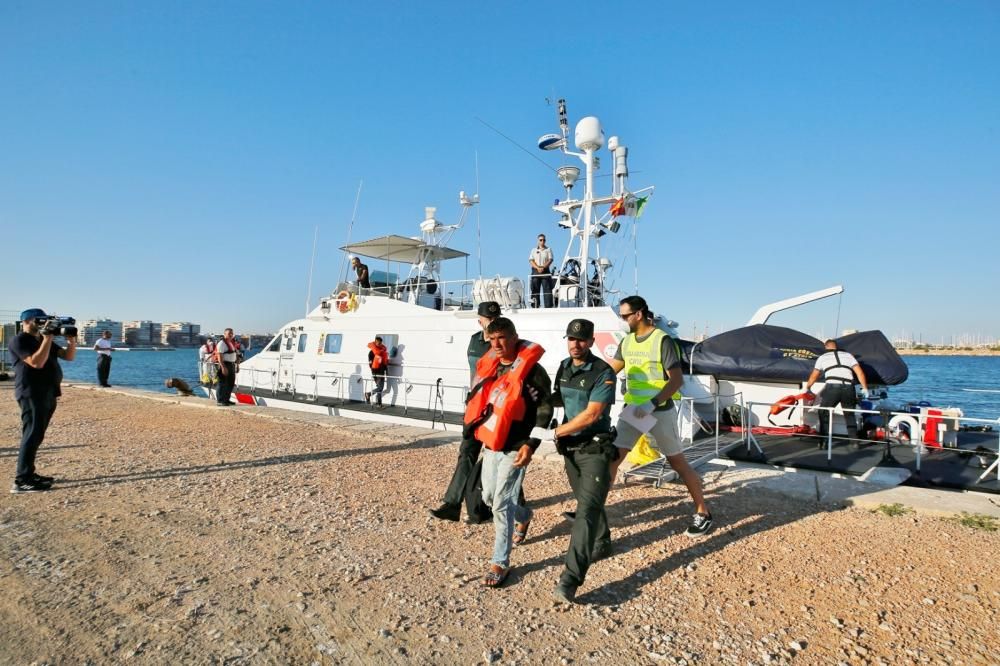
[{"x": 450, "y": 512}]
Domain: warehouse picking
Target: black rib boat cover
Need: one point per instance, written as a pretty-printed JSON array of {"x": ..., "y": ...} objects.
[{"x": 765, "y": 353}]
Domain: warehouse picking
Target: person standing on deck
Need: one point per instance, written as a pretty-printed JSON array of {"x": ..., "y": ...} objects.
[
  {"x": 361, "y": 270},
  {"x": 378, "y": 362},
  {"x": 653, "y": 375},
  {"x": 104, "y": 349},
  {"x": 838, "y": 370},
  {"x": 541, "y": 274},
  {"x": 509, "y": 399},
  {"x": 469, "y": 450}
]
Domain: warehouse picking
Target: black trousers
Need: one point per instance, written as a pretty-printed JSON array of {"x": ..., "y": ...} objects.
[
  {"x": 843, "y": 395},
  {"x": 541, "y": 284},
  {"x": 227, "y": 380},
  {"x": 103, "y": 369},
  {"x": 590, "y": 478},
  {"x": 462, "y": 480},
  {"x": 36, "y": 414}
]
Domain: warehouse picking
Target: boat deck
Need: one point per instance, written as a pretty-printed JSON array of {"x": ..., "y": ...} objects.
[
  {"x": 941, "y": 468},
  {"x": 341, "y": 404}
]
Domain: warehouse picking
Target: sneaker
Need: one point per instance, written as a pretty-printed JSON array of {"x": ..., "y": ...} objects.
[
  {"x": 450, "y": 512},
  {"x": 601, "y": 551},
  {"x": 701, "y": 524},
  {"x": 45, "y": 480},
  {"x": 368, "y": 397},
  {"x": 28, "y": 487},
  {"x": 564, "y": 594}
]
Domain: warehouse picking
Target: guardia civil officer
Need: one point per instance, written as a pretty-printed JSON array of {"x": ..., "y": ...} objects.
[
  {"x": 653, "y": 375},
  {"x": 585, "y": 388},
  {"x": 37, "y": 376},
  {"x": 468, "y": 452}
]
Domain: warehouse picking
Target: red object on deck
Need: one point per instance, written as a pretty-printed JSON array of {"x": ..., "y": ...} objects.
[
  {"x": 931, "y": 428},
  {"x": 244, "y": 399}
]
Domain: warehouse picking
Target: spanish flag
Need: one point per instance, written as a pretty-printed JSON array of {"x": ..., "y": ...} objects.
[{"x": 618, "y": 207}]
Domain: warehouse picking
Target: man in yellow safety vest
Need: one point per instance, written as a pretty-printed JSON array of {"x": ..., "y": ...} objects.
[{"x": 652, "y": 365}]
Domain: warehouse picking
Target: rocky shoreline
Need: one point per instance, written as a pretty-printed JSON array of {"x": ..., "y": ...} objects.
[{"x": 179, "y": 534}]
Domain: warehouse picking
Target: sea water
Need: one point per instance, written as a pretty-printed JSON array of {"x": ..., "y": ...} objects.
[{"x": 969, "y": 382}]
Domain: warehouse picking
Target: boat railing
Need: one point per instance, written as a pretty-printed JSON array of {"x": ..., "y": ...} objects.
[
  {"x": 927, "y": 431},
  {"x": 272, "y": 376},
  {"x": 437, "y": 396},
  {"x": 444, "y": 294},
  {"x": 696, "y": 422}
]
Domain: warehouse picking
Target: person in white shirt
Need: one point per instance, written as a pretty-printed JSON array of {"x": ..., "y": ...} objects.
[
  {"x": 541, "y": 274},
  {"x": 226, "y": 355},
  {"x": 104, "y": 349},
  {"x": 209, "y": 370},
  {"x": 838, "y": 370}
]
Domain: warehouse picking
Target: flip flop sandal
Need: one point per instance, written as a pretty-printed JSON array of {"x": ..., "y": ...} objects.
[
  {"x": 521, "y": 530},
  {"x": 495, "y": 578}
]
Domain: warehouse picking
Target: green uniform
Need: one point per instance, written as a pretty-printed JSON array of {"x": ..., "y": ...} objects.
[
  {"x": 587, "y": 456},
  {"x": 477, "y": 349}
]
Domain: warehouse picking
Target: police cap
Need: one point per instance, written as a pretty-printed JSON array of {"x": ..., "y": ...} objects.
[
  {"x": 581, "y": 329},
  {"x": 489, "y": 309}
]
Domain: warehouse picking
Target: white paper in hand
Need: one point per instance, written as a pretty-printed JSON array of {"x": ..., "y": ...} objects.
[{"x": 643, "y": 424}]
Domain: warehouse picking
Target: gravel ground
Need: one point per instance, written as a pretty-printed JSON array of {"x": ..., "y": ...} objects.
[{"x": 177, "y": 534}]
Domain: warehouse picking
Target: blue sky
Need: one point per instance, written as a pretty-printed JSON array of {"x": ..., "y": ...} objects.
[{"x": 170, "y": 161}]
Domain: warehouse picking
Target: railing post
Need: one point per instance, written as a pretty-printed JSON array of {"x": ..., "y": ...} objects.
[{"x": 829, "y": 434}]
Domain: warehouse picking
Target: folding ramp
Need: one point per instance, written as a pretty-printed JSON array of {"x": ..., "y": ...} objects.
[{"x": 697, "y": 453}]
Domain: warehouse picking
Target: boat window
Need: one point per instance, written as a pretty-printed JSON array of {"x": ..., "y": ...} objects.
[
  {"x": 289, "y": 341},
  {"x": 332, "y": 344},
  {"x": 303, "y": 338},
  {"x": 391, "y": 342},
  {"x": 275, "y": 345}
]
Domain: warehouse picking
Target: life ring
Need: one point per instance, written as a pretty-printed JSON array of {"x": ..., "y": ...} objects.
[{"x": 343, "y": 300}]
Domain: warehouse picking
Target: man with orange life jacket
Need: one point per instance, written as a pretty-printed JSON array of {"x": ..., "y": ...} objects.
[
  {"x": 510, "y": 397},
  {"x": 378, "y": 361},
  {"x": 838, "y": 369},
  {"x": 653, "y": 376},
  {"x": 466, "y": 474}
]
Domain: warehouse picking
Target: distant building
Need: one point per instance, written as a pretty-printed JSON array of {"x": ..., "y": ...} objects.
[
  {"x": 181, "y": 334},
  {"x": 143, "y": 333},
  {"x": 91, "y": 330}
]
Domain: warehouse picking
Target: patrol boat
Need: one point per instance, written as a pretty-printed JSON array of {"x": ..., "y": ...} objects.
[{"x": 319, "y": 363}]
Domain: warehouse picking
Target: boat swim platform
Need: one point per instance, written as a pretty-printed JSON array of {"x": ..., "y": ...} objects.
[{"x": 946, "y": 468}]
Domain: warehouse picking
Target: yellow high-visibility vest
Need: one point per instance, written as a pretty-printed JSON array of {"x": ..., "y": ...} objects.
[{"x": 644, "y": 372}]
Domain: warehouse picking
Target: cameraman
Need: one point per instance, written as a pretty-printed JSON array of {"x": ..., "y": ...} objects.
[{"x": 36, "y": 386}]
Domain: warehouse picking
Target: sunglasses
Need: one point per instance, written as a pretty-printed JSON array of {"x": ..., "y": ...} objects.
[{"x": 626, "y": 315}]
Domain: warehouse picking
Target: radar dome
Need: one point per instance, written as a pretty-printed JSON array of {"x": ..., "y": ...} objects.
[{"x": 589, "y": 135}]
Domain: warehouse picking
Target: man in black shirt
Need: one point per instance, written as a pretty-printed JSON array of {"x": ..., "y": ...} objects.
[
  {"x": 362, "y": 272},
  {"x": 468, "y": 452},
  {"x": 37, "y": 376}
]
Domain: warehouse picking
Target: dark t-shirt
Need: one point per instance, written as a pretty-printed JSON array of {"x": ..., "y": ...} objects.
[
  {"x": 363, "y": 281},
  {"x": 29, "y": 382}
]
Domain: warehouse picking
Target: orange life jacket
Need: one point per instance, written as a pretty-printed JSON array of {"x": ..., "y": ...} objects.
[
  {"x": 495, "y": 403},
  {"x": 380, "y": 356}
]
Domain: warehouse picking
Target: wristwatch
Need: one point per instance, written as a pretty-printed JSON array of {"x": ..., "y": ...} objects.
[{"x": 656, "y": 404}]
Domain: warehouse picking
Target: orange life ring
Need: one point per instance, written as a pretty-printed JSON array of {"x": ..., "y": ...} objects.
[{"x": 343, "y": 300}]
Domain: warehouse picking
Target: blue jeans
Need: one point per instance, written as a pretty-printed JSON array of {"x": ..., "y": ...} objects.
[{"x": 501, "y": 486}]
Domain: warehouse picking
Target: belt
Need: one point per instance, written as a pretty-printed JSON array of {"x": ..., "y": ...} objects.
[{"x": 593, "y": 443}]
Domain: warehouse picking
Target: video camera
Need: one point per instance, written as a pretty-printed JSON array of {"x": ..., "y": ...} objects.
[{"x": 52, "y": 325}]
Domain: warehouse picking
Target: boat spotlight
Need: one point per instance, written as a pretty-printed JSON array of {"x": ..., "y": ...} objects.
[
  {"x": 565, "y": 222},
  {"x": 613, "y": 226},
  {"x": 568, "y": 175}
]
